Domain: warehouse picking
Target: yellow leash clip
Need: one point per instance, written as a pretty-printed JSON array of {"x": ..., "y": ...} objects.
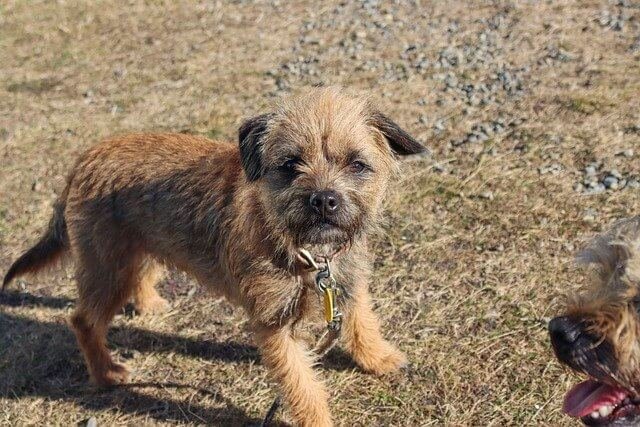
[
  {"x": 327, "y": 285},
  {"x": 329, "y": 304}
]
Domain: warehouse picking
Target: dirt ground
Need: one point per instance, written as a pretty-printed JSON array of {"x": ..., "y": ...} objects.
[{"x": 531, "y": 110}]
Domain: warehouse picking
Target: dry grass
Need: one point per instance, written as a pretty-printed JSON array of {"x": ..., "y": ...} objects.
[{"x": 466, "y": 281}]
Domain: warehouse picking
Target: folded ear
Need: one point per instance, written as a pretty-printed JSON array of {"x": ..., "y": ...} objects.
[
  {"x": 400, "y": 141},
  {"x": 250, "y": 137}
]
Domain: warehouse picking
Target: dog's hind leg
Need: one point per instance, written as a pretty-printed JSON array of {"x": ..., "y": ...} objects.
[
  {"x": 146, "y": 298},
  {"x": 104, "y": 286}
]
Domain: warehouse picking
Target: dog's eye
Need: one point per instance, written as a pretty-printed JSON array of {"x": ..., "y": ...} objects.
[
  {"x": 291, "y": 165},
  {"x": 359, "y": 167}
]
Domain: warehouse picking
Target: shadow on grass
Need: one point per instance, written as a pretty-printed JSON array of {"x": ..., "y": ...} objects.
[
  {"x": 42, "y": 359},
  {"x": 18, "y": 299},
  {"x": 144, "y": 340},
  {"x": 123, "y": 337}
]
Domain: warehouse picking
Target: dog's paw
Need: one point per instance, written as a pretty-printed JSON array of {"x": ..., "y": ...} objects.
[
  {"x": 150, "y": 306},
  {"x": 387, "y": 361},
  {"x": 113, "y": 375}
]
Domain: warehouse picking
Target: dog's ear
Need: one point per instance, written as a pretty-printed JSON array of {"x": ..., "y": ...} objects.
[
  {"x": 399, "y": 140},
  {"x": 250, "y": 137}
]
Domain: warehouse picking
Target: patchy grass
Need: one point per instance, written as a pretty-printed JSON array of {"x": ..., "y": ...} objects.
[
  {"x": 215, "y": 133},
  {"x": 36, "y": 86},
  {"x": 585, "y": 105},
  {"x": 3, "y": 224},
  {"x": 465, "y": 283}
]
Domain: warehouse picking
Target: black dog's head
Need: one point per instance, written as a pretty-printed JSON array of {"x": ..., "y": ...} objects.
[{"x": 599, "y": 334}]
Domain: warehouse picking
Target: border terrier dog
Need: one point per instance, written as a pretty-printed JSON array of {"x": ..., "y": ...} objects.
[
  {"x": 311, "y": 175},
  {"x": 599, "y": 334}
]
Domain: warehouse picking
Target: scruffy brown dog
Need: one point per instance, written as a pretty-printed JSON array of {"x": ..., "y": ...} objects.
[
  {"x": 315, "y": 172},
  {"x": 599, "y": 335}
]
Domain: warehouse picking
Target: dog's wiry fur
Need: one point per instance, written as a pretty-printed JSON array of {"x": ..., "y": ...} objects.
[
  {"x": 611, "y": 303},
  {"x": 599, "y": 332},
  {"x": 234, "y": 218}
]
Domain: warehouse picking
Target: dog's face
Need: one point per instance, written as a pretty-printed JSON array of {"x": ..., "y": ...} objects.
[
  {"x": 599, "y": 335},
  {"x": 322, "y": 162}
]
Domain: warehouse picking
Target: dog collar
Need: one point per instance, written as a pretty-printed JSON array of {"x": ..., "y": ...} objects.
[{"x": 315, "y": 263}]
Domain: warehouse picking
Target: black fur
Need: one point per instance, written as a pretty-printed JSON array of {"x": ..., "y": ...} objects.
[
  {"x": 400, "y": 141},
  {"x": 250, "y": 139}
]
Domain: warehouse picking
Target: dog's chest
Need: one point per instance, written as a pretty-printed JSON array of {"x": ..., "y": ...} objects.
[{"x": 291, "y": 297}]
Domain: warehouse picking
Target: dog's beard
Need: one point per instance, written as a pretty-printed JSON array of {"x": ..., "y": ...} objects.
[
  {"x": 314, "y": 230},
  {"x": 305, "y": 228},
  {"x": 322, "y": 233}
]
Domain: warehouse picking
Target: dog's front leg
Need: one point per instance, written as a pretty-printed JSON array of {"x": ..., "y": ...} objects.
[
  {"x": 291, "y": 365},
  {"x": 363, "y": 339}
]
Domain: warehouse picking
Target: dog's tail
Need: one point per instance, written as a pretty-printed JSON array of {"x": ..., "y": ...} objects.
[{"x": 50, "y": 248}]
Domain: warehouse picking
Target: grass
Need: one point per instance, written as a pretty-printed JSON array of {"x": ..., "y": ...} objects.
[
  {"x": 37, "y": 86},
  {"x": 464, "y": 284},
  {"x": 584, "y": 105}
]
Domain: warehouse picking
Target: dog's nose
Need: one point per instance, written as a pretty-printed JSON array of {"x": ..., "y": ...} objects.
[
  {"x": 567, "y": 336},
  {"x": 325, "y": 203},
  {"x": 564, "y": 330}
]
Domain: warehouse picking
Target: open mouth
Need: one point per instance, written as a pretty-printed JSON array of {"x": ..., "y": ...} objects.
[{"x": 599, "y": 404}]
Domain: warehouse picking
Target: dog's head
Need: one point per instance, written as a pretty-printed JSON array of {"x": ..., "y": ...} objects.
[
  {"x": 599, "y": 335},
  {"x": 322, "y": 161}
]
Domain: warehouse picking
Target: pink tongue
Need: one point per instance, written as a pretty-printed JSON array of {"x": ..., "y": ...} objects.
[{"x": 589, "y": 396}]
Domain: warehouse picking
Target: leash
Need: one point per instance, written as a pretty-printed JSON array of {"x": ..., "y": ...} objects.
[{"x": 326, "y": 284}]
